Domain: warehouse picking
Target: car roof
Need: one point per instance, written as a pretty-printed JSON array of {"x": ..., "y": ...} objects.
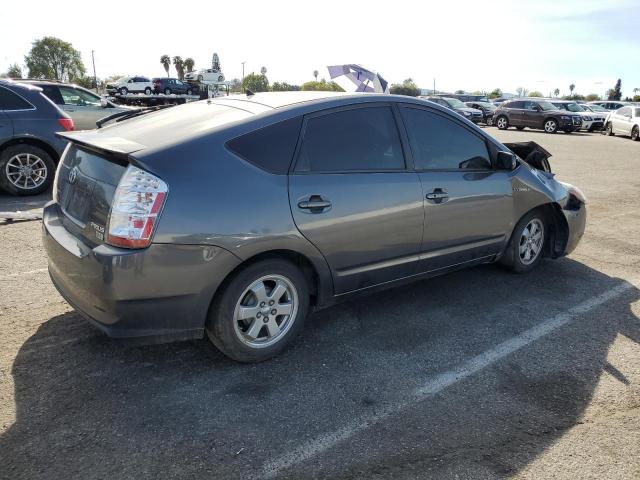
[
  {"x": 19, "y": 84},
  {"x": 284, "y": 99}
]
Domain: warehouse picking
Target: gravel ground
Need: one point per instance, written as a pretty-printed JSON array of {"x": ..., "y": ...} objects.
[{"x": 478, "y": 374}]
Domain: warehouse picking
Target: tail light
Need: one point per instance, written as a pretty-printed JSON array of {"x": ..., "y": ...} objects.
[
  {"x": 66, "y": 123},
  {"x": 137, "y": 203}
]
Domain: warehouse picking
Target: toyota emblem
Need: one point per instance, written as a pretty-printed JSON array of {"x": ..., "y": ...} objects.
[{"x": 73, "y": 175}]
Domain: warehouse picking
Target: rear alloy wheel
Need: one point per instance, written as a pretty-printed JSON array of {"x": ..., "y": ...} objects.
[
  {"x": 502, "y": 123},
  {"x": 259, "y": 311},
  {"x": 635, "y": 134},
  {"x": 167, "y": 91},
  {"x": 25, "y": 170},
  {"x": 526, "y": 246},
  {"x": 550, "y": 126},
  {"x": 609, "y": 130}
]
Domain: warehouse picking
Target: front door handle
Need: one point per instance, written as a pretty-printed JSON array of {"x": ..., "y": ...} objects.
[
  {"x": 314, "y": 204},
  {"x": 438, "y": 195}
]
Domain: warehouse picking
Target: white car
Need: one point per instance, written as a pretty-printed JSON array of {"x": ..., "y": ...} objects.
[
  {"x": 134, "y": 84},
  {"x": 206, "y": 75},
  {"x": 625, "y": 121},
  {"x": 589, "y": 121},
  {"x": 599, "y": 115}
]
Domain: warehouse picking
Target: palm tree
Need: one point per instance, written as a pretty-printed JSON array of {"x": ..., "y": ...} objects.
[
  {"x": 189, "y": 63},
  {"x": 571, "y": 88},
  {"x": 315, "y": 74},
  {"x": 179, "y": 64},
  {"x": 263, "y": 70},
  {"x": 556, "y": 92},
  {"x": 166, "y": 62}
]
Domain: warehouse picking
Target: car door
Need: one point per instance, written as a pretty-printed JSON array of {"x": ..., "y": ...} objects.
[
  {"x": 532, "y": 115},
  {"x": 515, "y": 113},
  {"x": 618, "y": 120},
  {"x": 468, "y": 204},
  {"x": 84, "y": 108},
  {"x": 353, "y": 196}
]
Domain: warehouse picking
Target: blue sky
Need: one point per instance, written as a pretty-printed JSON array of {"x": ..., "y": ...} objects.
[{"x": 470, "y": 45}]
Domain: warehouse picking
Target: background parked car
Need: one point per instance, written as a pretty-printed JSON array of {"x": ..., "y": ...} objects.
[
  {"x": 590, "y": 121},
  {"x": 206, "y": 75},
  {"x": 82, "y": 105},
  {"x": 170, "y": 86},
  {"x": 135, "y": 84},
  {"x": 457, "y": 106},
  {"x": 29, "y": 148},
  {"x": 625, "y": 121},
  {"x": 609, "y": 104},
  {"x": 535, "y": 113},
  {"x": 487, "y": 109}
]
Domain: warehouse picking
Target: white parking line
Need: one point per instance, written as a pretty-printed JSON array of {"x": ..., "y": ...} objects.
[
  {"x": 20, "y": 274},
  {"x": 439, "y": 383}
]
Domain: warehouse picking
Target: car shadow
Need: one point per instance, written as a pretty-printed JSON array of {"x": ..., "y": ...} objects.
[
  {"x": 89, "y": 407},
  {"x": 560, "y": 132}
]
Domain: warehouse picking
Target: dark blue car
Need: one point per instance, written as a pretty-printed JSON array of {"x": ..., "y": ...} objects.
[{"x": 29, "y": 148}]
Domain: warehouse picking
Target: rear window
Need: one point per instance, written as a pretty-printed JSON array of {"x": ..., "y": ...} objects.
[
  {"x": 270, "y": 148},
  {"x": 12, "y": 101}
]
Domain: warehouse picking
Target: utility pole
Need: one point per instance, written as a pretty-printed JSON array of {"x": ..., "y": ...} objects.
[
  {"x": 243, "y": 71},
  {"x": 434, "y": 85},
  {"x": 95, "y": 79}
]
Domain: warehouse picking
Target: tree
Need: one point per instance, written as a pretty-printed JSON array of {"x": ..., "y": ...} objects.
[
  {"x": 535, "y": 93},
  {"x": 255, "y": 82},
  {"x": 263, "y": 70},
  {"x": 14, "y": 71},
  {"x": 572, "y": 87},
  {"x": 315, "y": 75},
  {"x": 522, "y": 92},
  {"x": 592, "y": 96},
  {"x": 284, "y": 87},
  {"x": 497, "y": 93},
  {"x": 616, "y": 92},
  {"x": 178, "y": 63},
  {"x": 189, "y": 64},
  {"x": 556, "y": 92},
  {"x": 215, "y": 63},
  {"x": 55, "y": 59},
  {"x": 322, "y": 85},
  {"x": 408, "y": 87},
  {"x": 235, "y": 85},
  {"x": 165, "y": 60}
]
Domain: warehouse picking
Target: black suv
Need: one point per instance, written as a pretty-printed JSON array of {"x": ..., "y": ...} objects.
[
  {"x": 29, "y": 147},
  {"x": 170, "y": 86},
  {"x": 534, "y": 113},
  {"x": 487, "y": 109}
]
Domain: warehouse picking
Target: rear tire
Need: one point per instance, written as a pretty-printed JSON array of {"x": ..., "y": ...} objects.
[
  {"x": 635, "y": 134},
  {"x": 502, "y": 122},
  {"x": 38, "y": 168},
  {"x": 243, "y": 319},
  {"x": 526, "y": 247},
  {"x": 189, "y": 92}
]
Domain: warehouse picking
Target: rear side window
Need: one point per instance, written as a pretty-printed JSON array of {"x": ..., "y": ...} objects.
[
  {"x": 358, "y": 139},
  {"x": 270, "y": 148},
  {"x": 12, "y": 101},
  {"x": 515, "y": 105},
  {"x": 438, "y": 143},
  {"x": 53, "y": 93}
]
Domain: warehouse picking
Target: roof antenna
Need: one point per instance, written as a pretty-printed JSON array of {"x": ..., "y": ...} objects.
[{"x": 249, "y": 93}]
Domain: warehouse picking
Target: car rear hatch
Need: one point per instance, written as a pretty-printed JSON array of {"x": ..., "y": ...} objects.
[{"x": 85, "y": 184}]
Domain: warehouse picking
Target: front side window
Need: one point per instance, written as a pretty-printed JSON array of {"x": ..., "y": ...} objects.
[
  {"x": 73, "y": 96},
  {"x": 626, "y": 111},
  {"x": 358, "y": 139},
  {"x": 439, "y": 143},
  {"x": 13, "y": 101}
]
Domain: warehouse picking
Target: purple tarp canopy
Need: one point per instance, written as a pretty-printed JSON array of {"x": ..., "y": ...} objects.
[{"x": 364, "y": 80}]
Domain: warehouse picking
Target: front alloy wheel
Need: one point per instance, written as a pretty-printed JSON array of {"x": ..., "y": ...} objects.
[
  {"x": 531, "y": 241},
  {"x": 635, "y": 134},
  {"x": 551, "y": 126},
  {"x": 502, "y": 123}
]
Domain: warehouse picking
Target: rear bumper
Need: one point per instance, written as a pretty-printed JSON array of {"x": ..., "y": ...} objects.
[
  {"x": 576, "y": 221},
  {"x": 161, "y": 293}
]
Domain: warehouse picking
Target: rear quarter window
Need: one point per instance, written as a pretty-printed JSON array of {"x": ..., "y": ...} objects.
[
  {"x": 11, "y": 101},
  {"x": 270, "y": 148}
]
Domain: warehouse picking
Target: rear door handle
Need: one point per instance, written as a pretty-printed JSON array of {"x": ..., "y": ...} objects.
[{"x": 314, "y": 204}]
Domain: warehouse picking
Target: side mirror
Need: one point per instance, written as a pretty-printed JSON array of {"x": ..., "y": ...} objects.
[
  {"x": 537, "y": 108},
  {"x": 103, "y": 102},
  {"x": 506, "y": 161}
]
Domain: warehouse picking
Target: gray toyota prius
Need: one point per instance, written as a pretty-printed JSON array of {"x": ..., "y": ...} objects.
[{"x": 236, "y": 216}]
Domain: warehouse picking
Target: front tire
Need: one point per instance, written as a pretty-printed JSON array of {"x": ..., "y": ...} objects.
[
  {"x": 550, "y": 126},
  {"x": 25, "y": 170},
  {"x": 189, "y": 92},
  {"x": 609, "y": 130},
  {"x": 502, "y": 122},
  {"x": 635, "y": 134},
  {"x": 167, "y": 91},
  {"x": 147, "y": 91},
  {"x": 123, "y": 91},
  {"x": 259, "y": 311},
  {"x": 526, "y": 247}
]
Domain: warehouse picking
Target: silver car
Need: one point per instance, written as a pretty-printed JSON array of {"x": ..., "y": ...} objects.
[
  {"x": 82, "y": 105},
  {"x": 238, "y": 215}
]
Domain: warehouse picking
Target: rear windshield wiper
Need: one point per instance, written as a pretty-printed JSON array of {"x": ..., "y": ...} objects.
[{"x": 120, "y": 116}]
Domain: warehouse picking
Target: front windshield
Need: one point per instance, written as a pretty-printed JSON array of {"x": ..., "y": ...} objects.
[
  {"x": 574, "y": 107},
  {"x": 546, "y": 106},
  {"x": 596, "y": 108},
  {"x": 487, "y": 105},
  {"x": 455, "y": 103}
]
